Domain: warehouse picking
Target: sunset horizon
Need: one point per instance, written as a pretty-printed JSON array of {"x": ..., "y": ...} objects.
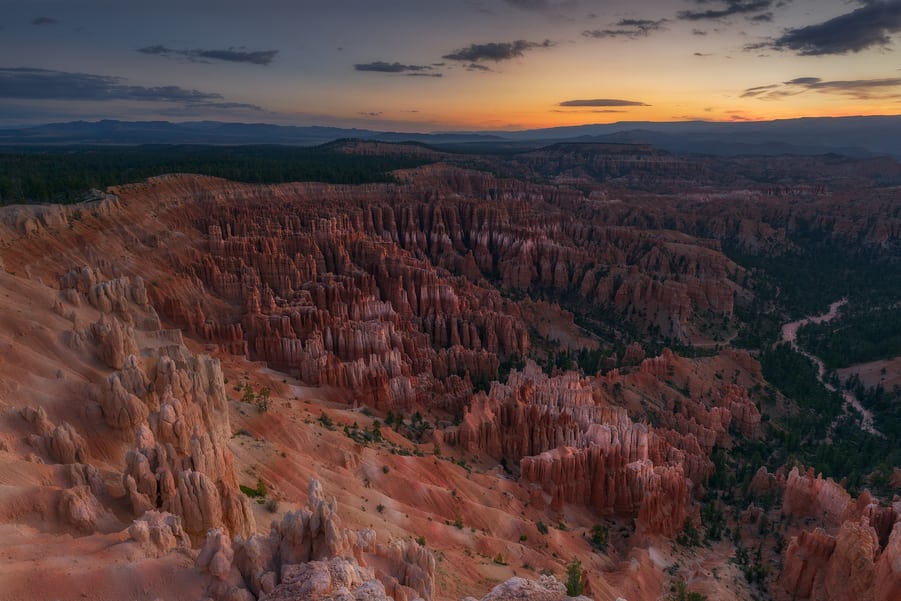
[{"x": 430, "y": 66}]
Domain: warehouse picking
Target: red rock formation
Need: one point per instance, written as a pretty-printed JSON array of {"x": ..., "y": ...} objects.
[
  {"x": 810, "y": 496},
  {"x": 158, "y": 533},
  {"x": 852, "y": 572},
  {"x": 805, "y": 563},
  {"x": 859, "y": 562},
  {"x": 888, "y": 568},
  {"x": 309, "y": 555}
]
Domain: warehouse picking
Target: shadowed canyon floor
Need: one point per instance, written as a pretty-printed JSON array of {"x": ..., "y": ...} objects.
[{"x": 428, "y": 389}]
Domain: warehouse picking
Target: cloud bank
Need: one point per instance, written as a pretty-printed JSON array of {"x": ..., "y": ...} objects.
[
  {"x": 26, "y": 83},
  {"x": 868, "y": 26},
  {"x": 231, "y": 55},
  {"x": 858, "y": 89},
  {"x": 385, "y": 67},
  {"x": 495, "y": 51},
  {"x": 627, "y": 28},
  {"x": 596, "y": 102}
]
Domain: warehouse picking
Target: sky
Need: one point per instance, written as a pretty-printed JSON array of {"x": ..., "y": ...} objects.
[{"x": 447, "y": 65}]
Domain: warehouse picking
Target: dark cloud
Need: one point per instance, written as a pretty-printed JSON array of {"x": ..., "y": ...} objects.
[
  {"x": 627, "y": 28},
  {"x": 495, "y": 51},
  {"x": 858, "y": 89},
  {"x": 720, "y": 9},
  {"x": 758, "y": 91},
  {"x": 601, "y": 102},
  {"x": 698, "y": 32},
  {"x": 231, "y": 55},
  {"x": 544, "y": 6},
  {"x": 477, "y": 67},
  {"x": 384, "y": 67},
  {"x": 803, "y": 81},
  {"x": 766, "y": 17},
  {"x": 45, "y": 84},
  {"x": 869, "y": 26},
  {"x": 424, "y": 74},
  {"x": 371, "y": 114},
  {"x": 44, "y": 21}
]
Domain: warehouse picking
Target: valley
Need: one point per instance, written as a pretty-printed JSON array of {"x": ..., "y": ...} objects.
[{"x": 553, "y": 372}]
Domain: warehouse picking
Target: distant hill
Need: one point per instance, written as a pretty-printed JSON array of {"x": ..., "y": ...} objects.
[{"x": 850, "y": 136}]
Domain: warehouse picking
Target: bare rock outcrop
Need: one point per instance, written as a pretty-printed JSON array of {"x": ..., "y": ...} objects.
[
  {"x": 159, "y": 533},
  {"x": 66, "y": 445},
  {"x": 546, "y": 588},
  {"x": 888, "y": 568},
  {"x": 121, "y": 409},
  {"x": 308, "y": 555},
  {"x": 809, "y": 495},
  {"x": 851, "y": 573},
  {"x": 78, "y": 507},
  {"x": 333, "y": 579},
  {"x": 115, "y": 340},
  {"x": 860, "y": 561}
]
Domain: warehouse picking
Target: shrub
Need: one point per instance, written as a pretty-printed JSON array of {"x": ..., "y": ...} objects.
[
  {"x": 574, "y": 586},
  {"x": 598, "y": 537}
]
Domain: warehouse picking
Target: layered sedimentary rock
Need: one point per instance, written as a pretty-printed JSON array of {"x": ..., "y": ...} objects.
[
  {"x": 888, "y": 568},
  {"x": 308, "y": 555},
  {"x": 574, "y": 445},
  {"x": 385, "y": 289},
  {"x": 169, "y": 402},
  {"x": 860, "y": 561},
  {"x": 809, "y": 495}
]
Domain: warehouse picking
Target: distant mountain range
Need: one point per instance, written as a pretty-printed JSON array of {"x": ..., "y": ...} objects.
[{"x": 850, "y": 136}]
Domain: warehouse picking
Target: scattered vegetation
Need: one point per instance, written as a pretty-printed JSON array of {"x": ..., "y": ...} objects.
[
  {"x": 679, "y": 592},
  {"x": 690, "y": 535},
  {"x": 326, "y": 421},
  {"x": 598, "y": 536},
  {"x": 260, "y": 491},
  {"x": 574, "y": 585}
]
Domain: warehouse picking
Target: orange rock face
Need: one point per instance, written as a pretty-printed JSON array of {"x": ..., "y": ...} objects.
[
  {"x": 383, "y": 290},
  {"x": 574, "y": 445},
  {"x": 860, "y": 561}
]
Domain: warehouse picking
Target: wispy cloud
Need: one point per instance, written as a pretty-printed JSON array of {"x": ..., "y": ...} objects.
[
  {"x": 591, "y": 111},
  {"x": 43, "y": 84},
  {"x": 868, "y": 26},
  {"x": 495, "y": 51},
  {"x": 858, "y": 89},
  {"x": 721, "y": 9},
  {"x": 385, "y": 67},
  {"x": 231, "y": 55},
  {"x": 627, "y": 28},
  {"x": 596, "y": 102},
  {"x": 44, "y": 21}
]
